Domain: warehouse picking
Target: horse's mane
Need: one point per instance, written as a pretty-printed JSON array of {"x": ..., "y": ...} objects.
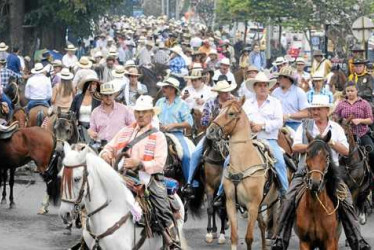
[
  {"x": 110, "y": 179},
  {"x": 334, "y": 173}
]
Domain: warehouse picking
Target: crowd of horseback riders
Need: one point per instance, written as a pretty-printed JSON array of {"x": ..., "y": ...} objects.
[{"x": 149, "y": 89}]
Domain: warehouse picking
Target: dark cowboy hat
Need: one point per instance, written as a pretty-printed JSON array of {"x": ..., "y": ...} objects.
[
  {"x": 357, "y": 48},
  {"x": 360, "y": 61},
  {"x": 317, "y": 52}
]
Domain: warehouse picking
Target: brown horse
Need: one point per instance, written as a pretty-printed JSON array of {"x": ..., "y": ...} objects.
[
  {"x": 21, "y": 147},
  {"x": 197, "y": 130},
  {"x": 239, "y": 76},
  {"x": 37, "y": 115},
  {"x": 20, "y": 116},
  {"x": 247, "y": 172},
  {"x": 317, "y": 224},
  {"x": 357, "y": 173}
]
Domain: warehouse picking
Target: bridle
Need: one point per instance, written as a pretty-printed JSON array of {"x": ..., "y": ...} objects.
[
  {"x": 322, "y": 173},
  {"x": 85, "y": 183},
  {"x": 235, "y": 118}
]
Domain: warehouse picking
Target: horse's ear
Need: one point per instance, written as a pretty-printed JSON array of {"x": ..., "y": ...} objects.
[
  {"x": 327, "y": 137},
  {"x": 242, "y": 100},
  {"x": 67, "y": 147},
  {"x": 309, "y": 136}
]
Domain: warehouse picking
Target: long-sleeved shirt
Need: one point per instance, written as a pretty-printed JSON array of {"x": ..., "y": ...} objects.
[
  {"x": 203, "y": 93},
  {"x": 38, "y": 87},
  {"x": 161, "y": 57},
  {"x": 211, "y": 110},
  {"x": 127, "y": 134},
  {"x": 176, "y": 112},
  {"x": 311, "y": 93},
  {"x": 230, "y": 76},
  {"x": 106, "y": 125},
  {"x": 145, "y": 57},
  {"x": 177, "y": 64},
  {"x": 5, "y": 74},
  {"x": 270, "y": 113},
  {"x": 69, "y": 61},
  {"x": 257, "y": 59},
  {"x": 13, "y": 63}
]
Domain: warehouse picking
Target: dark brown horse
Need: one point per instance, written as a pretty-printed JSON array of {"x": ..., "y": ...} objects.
[
  {"x": 317, "y": 224},
  {"x": 357, "y": 172},
  {"x": 37, "y": 115},
  {"x": 21, "y": 147}
]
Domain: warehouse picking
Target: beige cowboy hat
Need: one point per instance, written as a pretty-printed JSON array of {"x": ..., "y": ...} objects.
[
  {"x": 38, "y": 68},
  {"x": 57, "y": 63},
  {"x": 300, "y": 60},
  {"x": 109, "y": 88},
  {"x": 65, "y": 74},
  {"x": 320, "y": 101},
  {"x": 170, "y": 81},
  {"x": 260, "y": 77},
  {"x": 88, "y": 78},
  {"x": 318, "y": 77},
  {"x": 71, "y": 47},
  {"x": 145, "y": 102},
  {"x": 225, "y": 61},
  {"x": 317, "y": 52},
  {"x": 252, "y": 68},
  {"x": 3, "y": 47},
  {"x": 149, "y": 43},
  {"x": 98, "y": 54},
  {"x": 288, "y": 72},
  {"x": 195, "y": 74},
  {"x": 177, "y": 49},
  {"x": 224, "y": 86},
  {"x": 133, "y": 72},
  {"x": 213, "y": 52},
  {"x": 119, "y": 71},
  {"x": 129, "y": 64},
  {"x": 280, "y": 60},
  {"x": 112, "y": 52},
  {"x": 84, "y": 63}
]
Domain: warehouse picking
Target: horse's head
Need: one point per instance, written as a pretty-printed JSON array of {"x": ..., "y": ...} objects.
[
  {"x": 74, "y": 180},
  {"x": 318, "y": 157},
  {"x": 225, "y": 123},
  {"x": 64, "y": 127}
]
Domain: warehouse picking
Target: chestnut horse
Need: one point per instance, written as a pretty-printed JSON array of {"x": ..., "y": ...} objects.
[
  {"x": 246, "y": 174},
  {"x": 21, "y": 147},
  {"x": 37, "y": 115},
  {"x": 317, "y": 224}
]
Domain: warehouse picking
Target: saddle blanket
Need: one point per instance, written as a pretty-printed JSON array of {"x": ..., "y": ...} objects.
[{"x": 178, "y": 146}]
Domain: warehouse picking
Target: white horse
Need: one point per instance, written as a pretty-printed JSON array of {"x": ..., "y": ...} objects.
[{"x": 95, "y": 184}]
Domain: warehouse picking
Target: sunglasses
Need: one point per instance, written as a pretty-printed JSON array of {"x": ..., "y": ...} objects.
[{"x": 131, "y": 76}]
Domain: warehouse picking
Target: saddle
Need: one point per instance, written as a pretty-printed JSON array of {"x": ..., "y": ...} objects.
[{"x": 7, "y": 131}]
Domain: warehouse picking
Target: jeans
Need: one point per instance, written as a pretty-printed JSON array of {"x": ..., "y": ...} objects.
[
  {"x": 186, "y": 153},
  {"x": 5, "y": 98},
  {"x": 367, "y": 142},
  {"x": 195, "y": 160},
  {"x": 33, "y": 103},
  {"x": 293, "y": 125},
  {"x": 280, "y": 165}
]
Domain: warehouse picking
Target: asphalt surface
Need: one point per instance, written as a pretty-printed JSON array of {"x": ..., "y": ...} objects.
[{"x": 22, "y": 228}]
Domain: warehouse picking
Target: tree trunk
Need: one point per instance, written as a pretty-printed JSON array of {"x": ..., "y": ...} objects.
[
  {"x": 16, "y": 15},
  {"x": 245, "y": 32}
]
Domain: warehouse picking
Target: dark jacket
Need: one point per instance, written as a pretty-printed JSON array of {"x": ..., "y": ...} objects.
[{"x": 77, "y": 102}]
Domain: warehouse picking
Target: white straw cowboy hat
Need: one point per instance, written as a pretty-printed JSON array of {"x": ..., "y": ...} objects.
[
  {"x": 318, "y": 77},
  {"x": 225, "y": 61},
  {"x": 300, "y": 60},
  {"x": 112, "y": 52},
  {"x": 280, "y": 60},
  {"x": 88, "y": 78},
  {"x": 213, "y": 52},
  {"x": 38, "y": 68},
  {"x": 109, "y": 88},
  {"x": 98, "y": 54},
  {"x": 65, "y": 74},
  {"x": 177, "y": 49},
  {"x": 3, "y": 47},
  {"x": 119, "y": 71},
  {"x": 57, "y": 63},
  {"x": 252, "y": 68},
  {"x": 320, "y": 101},
  {"x": 71, "y": 47},
  {"x": 170, "y": 81},
  {"x": 260, "y": 77},
  {"x": 133, "y": 72},
  {"x": 145, "y": 102},
  {"x": 195, "y": 74},
  {"x": 84, "y": 63},
  {"x": 224, "y": 86},
  {"x": 149, "y": 43},
  {"x": 129, "y": 63}
]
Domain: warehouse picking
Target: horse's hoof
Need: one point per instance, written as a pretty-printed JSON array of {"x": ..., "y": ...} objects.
[
  {"x": 12, "y": 205},
  {"x": 362, "y": 218},
  {"x": 209, "y": 238},
  {"x": 43, "y": 211},
  {"x": 221, "y": 239},
  {"x": 214, "y": 235},
  {"x": 3, "y": 202}
]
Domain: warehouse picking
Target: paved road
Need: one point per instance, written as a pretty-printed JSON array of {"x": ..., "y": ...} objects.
[{"x": 22, "y": 228}]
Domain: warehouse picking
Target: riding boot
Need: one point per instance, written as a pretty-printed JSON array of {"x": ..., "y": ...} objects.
[
  {"x": 170, "y": 236},
  {"x": 286, "y": 219},
  {"x": 350, "y": 223}
]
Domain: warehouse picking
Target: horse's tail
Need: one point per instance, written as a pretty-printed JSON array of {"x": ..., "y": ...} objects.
[
  {"x": 196, "y": 203},
  {"x": 39, "y": 118}
]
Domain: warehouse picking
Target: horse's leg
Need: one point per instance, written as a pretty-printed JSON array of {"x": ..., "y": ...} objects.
[
  {"x": 214, "y": 228},
  {"x": 303, "y": 245},
  {"x": 11, "y": 184},
  {"x": 331, "y": 244},
  {"x": 252, "y": 208},
  {"x": 209, "y": 236},
  {"x": 222, "y": 216},
  {"x": 231, "y": 212},
  {"x": 4, "y": 177},
  {"x": 262, "y": 226},
  {"x": 45, "y": 204}
]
